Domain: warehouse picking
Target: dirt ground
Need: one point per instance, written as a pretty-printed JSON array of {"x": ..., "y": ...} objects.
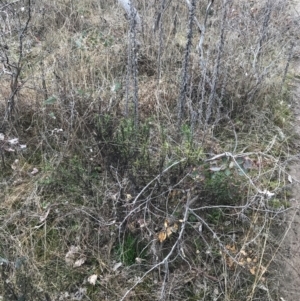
[{"x": 289, "y": 254}]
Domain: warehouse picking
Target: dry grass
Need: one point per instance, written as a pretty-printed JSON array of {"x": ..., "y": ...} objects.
[{"x": 140, "y": 200}]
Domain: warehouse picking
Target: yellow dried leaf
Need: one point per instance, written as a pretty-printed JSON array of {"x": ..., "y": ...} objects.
[
  {"x": 174, "y": 228},
  {"x": 243, "y": 252},
  {"x": 249, "y": 259},
  {"x": 169, "y": 231},
  {"x": 231, "y": 248},
  {"x": 162, "y": 235},
  {"x": 230, "y": 262},
  {"x": 166, "y": 224},
  {"x": 253, "y": 270}
]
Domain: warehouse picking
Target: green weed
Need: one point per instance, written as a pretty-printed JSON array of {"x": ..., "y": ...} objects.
[{"x": 129, "y": 249}]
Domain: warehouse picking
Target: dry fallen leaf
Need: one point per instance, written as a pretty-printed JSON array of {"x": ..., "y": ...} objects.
[
  {"x": 162, "y": 235},
  {"x": 230, "y": 262},
  {"x": 79, "y": 262},
  {"x": 128, "y": 197},
  {"x": 92, "y": 279},
  {"x": 231, "y": 248},
  {"x": 70, "y": 256},
  {"x": 253, "y": 270},
  {"x": 117, "y": 265},
  {"x": 243, "y": 252},
  {"x": 174, "y": 228},
  {"x": 34, "y": 171},
  {"x": 168, "y": 231}
]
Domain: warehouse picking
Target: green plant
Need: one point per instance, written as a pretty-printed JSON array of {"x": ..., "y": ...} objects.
[
  {"x": 278, "y": 204},
  {"x": 222, "y": 188},
  {"x": 129, "y": 249},
  {"x": 187, "y": 133},
  {"x": 214, "y": 216}
]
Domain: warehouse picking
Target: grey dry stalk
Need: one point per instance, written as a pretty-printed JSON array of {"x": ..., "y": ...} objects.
[
  {"x": 184, "y": 79},
  {"x": 132, "y": 68},
  {"x": 134, "y": 44},
  {"x": 161, "y": 32},
  {"x": 216, "y": 72},
  {"x": 258, "y": 54},
  {"x": 290, "y": 56},
  {"x": 264, "y": 33}
]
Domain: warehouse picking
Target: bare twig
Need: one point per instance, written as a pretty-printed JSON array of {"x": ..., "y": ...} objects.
[
  {"x": 8, "y": 4},
  {"x": 203, "y": 30},
  {"x": 167, "y": 257},
  {"x": 156, "y": 179}
]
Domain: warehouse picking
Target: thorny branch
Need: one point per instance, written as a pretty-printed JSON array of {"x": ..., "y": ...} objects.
[{"x": 184, "y": 80}]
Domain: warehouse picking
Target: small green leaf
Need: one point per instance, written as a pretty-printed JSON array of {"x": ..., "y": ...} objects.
[
  {"x": 51, "y": 100},
  {"x": 240, "y": 161},
  {"x": 81, "y": 92},
  {"x": 51, "y": 114},
  {"x": 116, "y": 87},
  {"x": 227, "y": 172}
]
